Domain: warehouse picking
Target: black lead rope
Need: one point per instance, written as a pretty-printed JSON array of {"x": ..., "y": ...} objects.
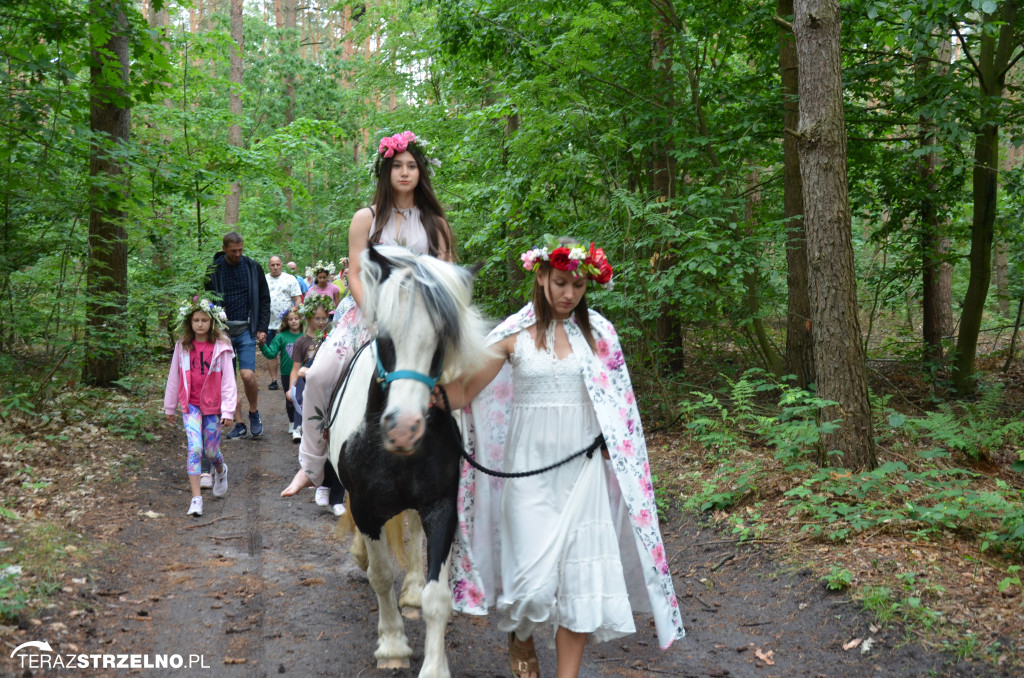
[{"x": 589, "y": 451}]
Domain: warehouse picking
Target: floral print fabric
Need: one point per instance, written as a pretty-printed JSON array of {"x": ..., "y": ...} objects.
[{"x": 474, "y": 569}]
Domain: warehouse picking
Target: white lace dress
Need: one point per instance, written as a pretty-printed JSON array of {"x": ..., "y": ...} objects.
[{"x": 560, "y": 563}]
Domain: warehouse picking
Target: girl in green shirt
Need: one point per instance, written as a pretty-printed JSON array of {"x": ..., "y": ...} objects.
[{"x": 284, "y": 340}]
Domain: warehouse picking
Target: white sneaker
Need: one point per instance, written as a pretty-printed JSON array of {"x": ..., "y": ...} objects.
[
  {"x": 220, "y": 482},
  {"x": 323, "y": 496},
  {"x": 291, "y": 428},
  {"x": 205, "y": 481},
  {"x": 339, "y": 510},
  {"x": 196, "y": 507},
  {"x": 296, "y": 435}
]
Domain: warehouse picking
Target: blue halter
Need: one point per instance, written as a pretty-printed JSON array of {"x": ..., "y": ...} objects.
[{"x": 384, "y": 377}]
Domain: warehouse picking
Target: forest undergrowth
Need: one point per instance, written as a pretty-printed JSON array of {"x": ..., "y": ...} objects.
[{"x": 930, "y": 540}]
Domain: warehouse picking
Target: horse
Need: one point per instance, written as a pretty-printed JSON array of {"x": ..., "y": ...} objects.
[{"x": 388, "y": 447}]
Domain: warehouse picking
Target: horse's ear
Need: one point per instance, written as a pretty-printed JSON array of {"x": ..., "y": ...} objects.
[
  {"x": 475, "y": 269},
  {"x": 381, "y": 261}
]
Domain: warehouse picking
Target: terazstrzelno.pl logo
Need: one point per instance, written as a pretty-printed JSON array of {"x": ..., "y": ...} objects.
[{"x": 46, "y": 658}]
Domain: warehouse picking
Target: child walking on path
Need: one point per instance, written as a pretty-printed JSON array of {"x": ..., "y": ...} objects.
[
  {"x": 578, "y": 548},
  {"x": 201, "y": 382},
  {"x": 315, "y": 309},
  {"x": 283, "y": 345}
]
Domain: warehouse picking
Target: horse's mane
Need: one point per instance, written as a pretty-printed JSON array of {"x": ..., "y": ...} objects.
[{"x": 447, "y": 293}]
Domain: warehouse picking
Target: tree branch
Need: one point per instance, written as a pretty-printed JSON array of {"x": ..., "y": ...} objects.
[
  {"x": 783, "y": 23},
  {"x": 967, "y": 53}
]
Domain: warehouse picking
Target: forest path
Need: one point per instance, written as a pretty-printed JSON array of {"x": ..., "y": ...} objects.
[{"x": 260, "y": 586}]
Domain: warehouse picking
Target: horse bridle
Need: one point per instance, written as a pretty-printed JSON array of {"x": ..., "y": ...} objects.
[{"x": 384, "y": 377}]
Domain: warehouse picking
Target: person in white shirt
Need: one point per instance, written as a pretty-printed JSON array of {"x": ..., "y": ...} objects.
[{"x": 285, "y": 293}]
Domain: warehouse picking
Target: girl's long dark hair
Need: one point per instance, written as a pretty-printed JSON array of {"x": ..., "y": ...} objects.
[
  {"x": 542, "y": 311},
  {"x": 432, "y": 214}
]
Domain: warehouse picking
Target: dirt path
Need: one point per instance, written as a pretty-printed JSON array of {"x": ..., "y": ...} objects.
[{"x": 259, "y": 586}]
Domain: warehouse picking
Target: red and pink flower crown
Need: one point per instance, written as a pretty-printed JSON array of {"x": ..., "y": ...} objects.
[
  {"x": 391, "y": 146},
  {"x": 573, "y": 258}
]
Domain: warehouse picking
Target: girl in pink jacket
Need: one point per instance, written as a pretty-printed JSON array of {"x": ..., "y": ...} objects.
[{"x": 202, "y": 382}]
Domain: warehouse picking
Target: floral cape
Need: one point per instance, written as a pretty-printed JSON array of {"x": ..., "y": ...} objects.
[{"x": 474, "y": 572}]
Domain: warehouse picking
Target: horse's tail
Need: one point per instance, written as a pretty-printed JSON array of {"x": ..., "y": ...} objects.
[
  {"x": 345, "y": 524},
  {"x": 396, "y": 533},
  {"x": 394, "y": 530}
]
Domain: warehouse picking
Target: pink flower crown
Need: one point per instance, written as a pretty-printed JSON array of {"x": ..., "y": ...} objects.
[
  {"x": 575, "y": 259},
  {"x": 391, "y": 146}
]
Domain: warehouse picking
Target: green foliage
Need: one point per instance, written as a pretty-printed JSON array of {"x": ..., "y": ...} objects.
[
  {"x": 977, "y": 432},
  {"x": 14, "y": 596},
  {"x": 838, "y": 578}
]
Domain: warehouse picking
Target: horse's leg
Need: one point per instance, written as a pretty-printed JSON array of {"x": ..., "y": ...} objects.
[
  {"x": 393, "y": 649},
  {"x": 439, "y": 525},
  {"x": 412, "y": 586}
]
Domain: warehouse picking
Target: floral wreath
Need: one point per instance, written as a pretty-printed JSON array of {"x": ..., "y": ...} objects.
[
  {"x": 313, "y": 302},
  {"x": 321, "y": 265},
  {"x": 190, "y": 306},
  {"x": 284, "y": 314},
  {"x": 399, "y": 143},
  {"x": 574, "y": 258}
]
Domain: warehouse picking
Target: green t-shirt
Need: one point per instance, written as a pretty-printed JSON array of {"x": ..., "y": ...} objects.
[{"x": 282, "y": 344}]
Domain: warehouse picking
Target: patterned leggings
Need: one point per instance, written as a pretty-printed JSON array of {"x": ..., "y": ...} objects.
[{"x": 203, "y": 433}]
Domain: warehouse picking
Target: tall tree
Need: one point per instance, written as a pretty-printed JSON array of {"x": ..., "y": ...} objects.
[
  {"x": 838, "y": 349},
  {"x": 937, "y": 272},
  {"x": 234, "y": 198},
  {"x": 999, "y": 40},
  {"x": 290, "y": 44},
  {"x": 109, "y": 119},
  {"x": 799, "y": 359}
]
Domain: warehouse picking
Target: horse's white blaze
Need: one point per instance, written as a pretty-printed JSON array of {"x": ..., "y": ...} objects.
[
  {"x": 437, "y": 607},
  {"x": 403, "y": 422},
  {"x": 393, "y": 649}
]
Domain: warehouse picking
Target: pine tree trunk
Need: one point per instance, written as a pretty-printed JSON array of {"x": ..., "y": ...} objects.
[
  {"x": 799, "y": 359},
  {"x": 290, "y": 38},
  {"x": 838, "y": 349},
  {"x": 936, "y": 271},
  {"x": 109, "y": 118},
  {"x": 234, "y": 198}
]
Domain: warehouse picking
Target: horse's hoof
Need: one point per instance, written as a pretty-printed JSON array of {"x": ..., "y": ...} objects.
[
  {"x": 411, "y": 613},
  {"x": 397, "y": 663}
]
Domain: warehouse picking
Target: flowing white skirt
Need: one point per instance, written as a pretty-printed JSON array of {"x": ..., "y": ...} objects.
[{"x": 560, "y": 561}]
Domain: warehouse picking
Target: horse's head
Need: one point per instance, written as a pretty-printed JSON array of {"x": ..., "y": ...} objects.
[{"x": 427, "y": 330}]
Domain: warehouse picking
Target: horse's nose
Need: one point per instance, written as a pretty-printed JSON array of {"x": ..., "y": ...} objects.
[{"x": 402, "y": 430}]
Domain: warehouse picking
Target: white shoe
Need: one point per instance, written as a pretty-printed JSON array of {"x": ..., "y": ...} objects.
[
  {"x": 196, "y": 507},
  {"x": 220, "y": 482},
  {"x": 291, "y": 428},
  {"x": 323, "y": 496},
  {"x": 296, "y": 435},
  {"x": 205, "y": 481},
  {"x": 339, "y": 510}
]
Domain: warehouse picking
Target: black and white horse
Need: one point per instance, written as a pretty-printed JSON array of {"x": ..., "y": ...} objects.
[{"x": 389, "y": 448}]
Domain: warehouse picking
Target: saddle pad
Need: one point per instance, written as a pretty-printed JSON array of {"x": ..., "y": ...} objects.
[{"x": 348, "y": 409}]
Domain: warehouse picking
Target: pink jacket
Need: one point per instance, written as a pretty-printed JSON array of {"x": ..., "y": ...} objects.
[{"x": 219, "y": 396}]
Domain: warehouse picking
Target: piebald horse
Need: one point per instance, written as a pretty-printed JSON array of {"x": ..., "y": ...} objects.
[{"x": 389, "y": 448}]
